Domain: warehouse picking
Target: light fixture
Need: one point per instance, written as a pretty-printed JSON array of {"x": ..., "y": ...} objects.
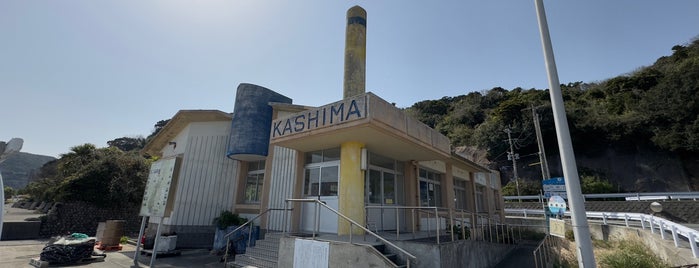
[{"x": 363, "y": 159}]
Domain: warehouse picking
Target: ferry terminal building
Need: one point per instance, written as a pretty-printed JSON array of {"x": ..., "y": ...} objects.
[{"x": 360, "y": 155}]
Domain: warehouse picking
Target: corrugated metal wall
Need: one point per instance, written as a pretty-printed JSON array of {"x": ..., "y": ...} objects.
[
  {"x": 207, "y": 181},
  {"x": 282, "y": 179}
]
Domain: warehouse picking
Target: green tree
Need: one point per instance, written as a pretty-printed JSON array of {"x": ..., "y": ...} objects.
[
  {"x": 157, "y": 128},
  {"x": 9, "y": 192},
  {"x": 128, "y": 143},
  {"x": 102, "y": 176},
  {"x": 595, "y": 185},
  {"x": 525, "y": 188}
]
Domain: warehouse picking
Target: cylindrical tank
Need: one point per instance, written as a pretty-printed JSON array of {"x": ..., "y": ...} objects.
[
  {"x": 252, "y": 122},
  {"x": 113, "y": 231}
]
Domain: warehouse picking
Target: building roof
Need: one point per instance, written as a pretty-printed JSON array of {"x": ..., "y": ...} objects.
[{"x": 178, "y": 122}]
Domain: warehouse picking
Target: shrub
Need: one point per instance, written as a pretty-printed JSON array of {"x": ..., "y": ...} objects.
[
  {"x": 631, "y": 254},
  {"x": 227, "y": 218}
]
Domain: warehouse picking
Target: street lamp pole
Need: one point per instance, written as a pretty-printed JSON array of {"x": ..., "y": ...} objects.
[{"x": 581, "y": 229}]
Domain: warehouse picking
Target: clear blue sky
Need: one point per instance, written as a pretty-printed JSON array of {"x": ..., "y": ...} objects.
[{"x": 74, "y": 72}]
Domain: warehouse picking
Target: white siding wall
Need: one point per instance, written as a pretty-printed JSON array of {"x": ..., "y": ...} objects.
[
  {"x": 180, "y": 145},
  {"x": 207, "y": 180},
  {"x": 282, "y": 178}
]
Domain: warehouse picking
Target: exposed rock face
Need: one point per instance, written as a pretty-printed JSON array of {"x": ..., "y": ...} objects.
[{"x": 638, "y": 170}]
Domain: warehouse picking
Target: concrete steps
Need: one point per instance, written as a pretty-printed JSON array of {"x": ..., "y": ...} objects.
[{"x": 263, "y": 255}]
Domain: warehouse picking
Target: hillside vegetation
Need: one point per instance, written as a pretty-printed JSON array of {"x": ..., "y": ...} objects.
[
  {"x": 653, "y": 111},
  {"x": 20, "y": 167}
]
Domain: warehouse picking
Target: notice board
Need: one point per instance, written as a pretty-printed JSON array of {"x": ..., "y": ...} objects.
[
  {"x": 311, "y": 253},
  {"x": 160, "y": 186}
]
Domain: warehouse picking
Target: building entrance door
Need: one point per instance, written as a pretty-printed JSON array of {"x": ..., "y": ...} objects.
[{"x": 321, "y": 181}]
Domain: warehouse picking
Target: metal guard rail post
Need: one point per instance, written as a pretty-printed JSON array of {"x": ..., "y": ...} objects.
[
  {"x": 249, "y": 222},
  {"x": 437, "y": 213},
  {"x": 352, "y": 222},
  {"x": 661, "y": 224},
  {"x": 633, "y": 196}
]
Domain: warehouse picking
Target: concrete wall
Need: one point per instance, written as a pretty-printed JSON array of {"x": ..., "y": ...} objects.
[
  {"x": 340, "y": 255},
  {"x": 81, "y": 217},
  {"x": 21, "y": 230},
  {"x": 464, "y": 253}
]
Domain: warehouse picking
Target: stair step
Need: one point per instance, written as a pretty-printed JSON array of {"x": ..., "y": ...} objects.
[
  {"x": 244, "y": 260},
  {"x": 267, "y": 254},
  {"x": 391, "y": 256}
]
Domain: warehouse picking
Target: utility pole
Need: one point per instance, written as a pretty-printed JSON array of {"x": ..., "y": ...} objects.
[
  {"x": 511, "y": 155},
  {"x": 581, "y": 229},
  {"x": 542, "y": 153}
]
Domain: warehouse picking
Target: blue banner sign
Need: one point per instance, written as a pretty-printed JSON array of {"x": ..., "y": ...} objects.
[{"x": 555, "y": 186}]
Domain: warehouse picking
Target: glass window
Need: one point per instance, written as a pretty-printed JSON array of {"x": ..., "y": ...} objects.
[
  {"x": 460, "y": 199},
  {"x": 328, "y": 181},
  {"x": 254, "y": 181},
  {"x": 311, "y": 181},
  {"x": 314, "y": 157},
  {"x": 382, "y": 181},
  {"x": 496, "y": 194},
  {"x": 430, "y": 188},
  {"x": 374, "y": 187},
  {"x": 322, "y": 174},
  {"x": 480, "y": 199},
  {"x": 389, "y": 188},
  {"x": 382, "y": 161},
  {"x": 331, "y": 155}
]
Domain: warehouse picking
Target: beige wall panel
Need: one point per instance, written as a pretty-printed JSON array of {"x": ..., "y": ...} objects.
[
  {"x": 460, "y": 173},
  {"x": 207, "y": 181},
  {"x": 282, "y": 179},
  {"x": 385, "y": 112},
  {"x": 435, "y": 165},
  {"x": 418, "y": 130}
]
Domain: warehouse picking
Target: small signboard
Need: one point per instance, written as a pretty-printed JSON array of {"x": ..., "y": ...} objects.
[
  {"x": 557, "y": 227},
  {"x": 311, "y": 254},
  {"x": 555, "y": 186},
  {"x": 557, "y": 205}
]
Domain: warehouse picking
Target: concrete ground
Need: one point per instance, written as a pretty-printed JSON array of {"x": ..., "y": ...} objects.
[{"x": 18, "y": 254}]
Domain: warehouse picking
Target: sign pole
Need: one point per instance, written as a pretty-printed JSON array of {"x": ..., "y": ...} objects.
[
  {"x": 138, "y": 240},
  {"x": 155, "y": 243},
  {"x": 581, "y": 230}
]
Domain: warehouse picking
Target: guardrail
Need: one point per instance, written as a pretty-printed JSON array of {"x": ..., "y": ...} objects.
[
  {"x": 655, "y": 224},
  {"x": 628, "y": 196}
]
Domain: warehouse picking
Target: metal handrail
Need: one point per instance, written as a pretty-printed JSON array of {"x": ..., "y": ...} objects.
[
  {"x": 249, "y": 222},
  {"x": 474, "y": 220},
  {"x": 352, "y": 222}
]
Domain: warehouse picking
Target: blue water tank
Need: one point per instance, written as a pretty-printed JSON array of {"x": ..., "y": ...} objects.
[{"x": 252, "y": 122}]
